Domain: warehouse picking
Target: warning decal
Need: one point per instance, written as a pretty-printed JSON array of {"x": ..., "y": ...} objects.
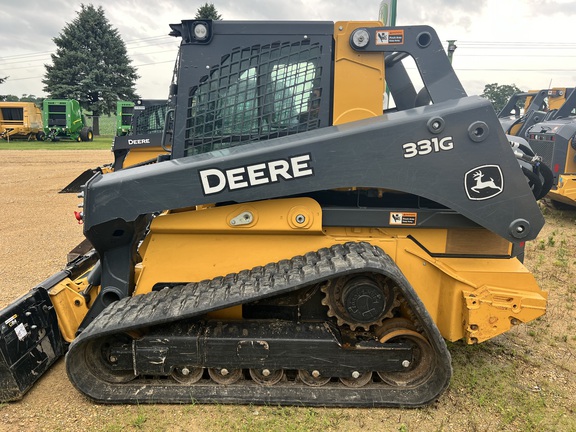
[
  {"x": 401, "y": 218},
  {"x": 20, "y": 331},
  {"x": 389, "y": 37}
]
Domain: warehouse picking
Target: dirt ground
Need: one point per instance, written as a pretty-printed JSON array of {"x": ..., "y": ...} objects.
[{"x": 523, "y": 380}]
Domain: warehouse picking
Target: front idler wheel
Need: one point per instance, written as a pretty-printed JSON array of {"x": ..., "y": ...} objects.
[
  {"x": 102, "y": 358},
  {"x": 420, "y": 367}
]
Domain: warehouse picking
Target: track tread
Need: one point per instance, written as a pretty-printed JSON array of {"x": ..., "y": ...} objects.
[{"x": 195, "y": 299}]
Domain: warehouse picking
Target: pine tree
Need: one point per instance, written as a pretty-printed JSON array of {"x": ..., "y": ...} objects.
[
  {"x": 208, "y": 11},
  {"x": 91, "y": 65}
]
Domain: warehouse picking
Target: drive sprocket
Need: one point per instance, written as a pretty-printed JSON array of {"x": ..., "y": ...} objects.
[{"x": 360, "y": 301}]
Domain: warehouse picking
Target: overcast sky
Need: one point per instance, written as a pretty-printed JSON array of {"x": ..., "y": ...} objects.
[{"x": 530, "y": 43}]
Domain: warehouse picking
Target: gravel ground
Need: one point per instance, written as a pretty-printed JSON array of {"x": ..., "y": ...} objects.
[{"x": 37, "y": 227}]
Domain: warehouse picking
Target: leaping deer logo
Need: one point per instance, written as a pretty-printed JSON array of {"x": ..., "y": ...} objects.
[
  {"x": 480, "y": 184},
  {"x": 483, "y": 182}
]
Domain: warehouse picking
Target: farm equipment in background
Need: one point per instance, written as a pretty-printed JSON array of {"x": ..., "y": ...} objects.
[
  {"x": 147, "y": 139},
  {"x": 554, "y": 140},
  {"x": 525, "y": 109},
  {"x": 124, "y": 112},
  {"x": 20, "y": 120},
  {"x": 298, "y": 246},
  {"x": 63, "y": 118},
  {"x": 145, "y": 142}
]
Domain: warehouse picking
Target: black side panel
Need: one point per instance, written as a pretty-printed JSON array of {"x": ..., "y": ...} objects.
[{"x": 30, "y": 342}]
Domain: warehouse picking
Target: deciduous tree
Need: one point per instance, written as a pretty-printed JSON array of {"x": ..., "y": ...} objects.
[{"x": 499, "y": 94}]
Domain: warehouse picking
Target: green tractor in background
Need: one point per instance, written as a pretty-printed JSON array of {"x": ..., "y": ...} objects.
[
  {"x": 63, "y": 118},
  {"x": 124, "y": 113}
]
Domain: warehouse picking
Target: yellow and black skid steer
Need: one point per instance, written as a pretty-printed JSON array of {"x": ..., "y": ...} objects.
[
  {"x": 147, "y": 140},
  {"x": 299, "y": 246},
  {"x": 524, "y": 109},
  {"x": 554, "y": 139}
]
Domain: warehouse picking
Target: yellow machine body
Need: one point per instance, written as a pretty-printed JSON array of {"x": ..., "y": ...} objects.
[
  {"x": 138, "y": 156},
  {"x": 471, "y": 298},
  {"x": 565, "y": 190}
]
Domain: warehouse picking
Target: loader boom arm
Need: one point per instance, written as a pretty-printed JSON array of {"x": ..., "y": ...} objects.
[{"x": 398, "y": 151}]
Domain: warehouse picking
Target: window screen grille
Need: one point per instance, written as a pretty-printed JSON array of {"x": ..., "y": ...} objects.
[{"x": 256, "y": 93}]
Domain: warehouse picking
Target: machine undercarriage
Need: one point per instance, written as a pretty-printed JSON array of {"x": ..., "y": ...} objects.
[{"x": 380, "y": 347}]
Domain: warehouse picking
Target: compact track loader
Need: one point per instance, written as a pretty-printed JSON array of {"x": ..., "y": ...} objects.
[
  {"x": 299, "y": 246},
  {"x": 523, "y": 110},
  {"x": 148, "y": 137},
  {"x": 141, "y": 143},
  {"x": 553, "y": 139}
]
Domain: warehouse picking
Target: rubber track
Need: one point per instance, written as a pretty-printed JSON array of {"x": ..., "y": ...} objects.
[{"x": 195, "y": 299}]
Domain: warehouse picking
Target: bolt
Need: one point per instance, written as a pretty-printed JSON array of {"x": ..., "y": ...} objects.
[
  {"x": 266, "y": 372},
  {"x": 473, "y": 327},
  {"x": 315, "y": 374},
  {"x": 405, "y": 363},
  {"x": 436, "y": 125},
  {"x": 232, "y": 222},
  {"x": 224, "y": 372},
  {"x": 355, "y": 374},
  {"x": 300, "y": 219},
  {"x": 185, "y": 371},
  {"x": 112, "y": 359}
]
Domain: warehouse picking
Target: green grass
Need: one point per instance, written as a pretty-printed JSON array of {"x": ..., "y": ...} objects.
[
  {"x": 101, "y": 142},
  {"x": 490, "y": 376}
]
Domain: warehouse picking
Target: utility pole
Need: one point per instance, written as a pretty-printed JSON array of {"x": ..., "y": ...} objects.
[{"x": 451, "y": 48}]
